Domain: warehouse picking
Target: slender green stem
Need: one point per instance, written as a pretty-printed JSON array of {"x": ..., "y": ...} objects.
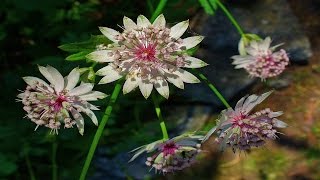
[
  {"x": 100, "y": 129},
  {"x": 213, "y": 88},
  {"x": 158, "y": 111},
  {"x": 231, "y": 18},
  {"x": 54, "y": 159},
  {"x": 30, "y": 170},
  {"x": 158, "y": 10}
]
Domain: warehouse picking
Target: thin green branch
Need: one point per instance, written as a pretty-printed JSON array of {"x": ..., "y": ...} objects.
[
  {"x": 213, "y": 88},
  {"x": 158, "y": 111},
  {"x": 30, "y": 170},
  {"x": 54, "y": 159},
  {"x": 158, "y": 10},
  {"x": 100, "y": 129},
  {"x": 231, "y": 18}
]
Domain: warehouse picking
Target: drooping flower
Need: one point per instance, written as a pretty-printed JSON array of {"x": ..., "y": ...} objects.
[
  {"x": 261, "y": 60},
  {"x": 171, "y": 155},
  {"x": 238, "y": 129},
  {"x": 148, "y": 55},
  {"x": 50, "y": 105}
]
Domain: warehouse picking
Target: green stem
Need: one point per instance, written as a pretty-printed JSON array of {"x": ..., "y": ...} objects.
[
  {"x": 30, "y": 170},
  {"x": 213, "y": 88},
  {"x": 150, "y": 6},
  {"x": 158, "y": 10},
  {"x": 158, "y": 111},
  {"x": 100, "y": 129},
  {"x": 231, "y": 18},
  {"x": 53, "y": 159}
]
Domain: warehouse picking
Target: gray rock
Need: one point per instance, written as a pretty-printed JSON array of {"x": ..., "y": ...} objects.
[{"x": 272, "y": 18}]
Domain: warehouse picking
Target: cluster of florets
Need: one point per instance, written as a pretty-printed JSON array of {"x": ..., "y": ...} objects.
[
  {"x": 148, "y": 55},
  {"x": 172, "y": 155},
  {"x": 260, "y": 60},
  {"x": 50, "y": 105},
  {"x": 241, "y": 130}
]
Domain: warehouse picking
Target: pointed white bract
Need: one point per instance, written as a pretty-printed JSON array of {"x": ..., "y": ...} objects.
[
  {"x": 148, "y": 55},
  {"x": 240, "y": 130},
  {"x": 61, "y": 101},
  {"x": 171, "y": 155},
  {"x": 260, "y": 60}
]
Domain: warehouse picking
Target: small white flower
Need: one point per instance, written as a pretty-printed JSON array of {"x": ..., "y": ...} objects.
[
  {"x": 260, "y": 60},
  {"x": 239, "y": 129},
  {"x": 49, "y": 105},
  {"x": 148, "y": 55},
  {"x": 171, "y": 155}
]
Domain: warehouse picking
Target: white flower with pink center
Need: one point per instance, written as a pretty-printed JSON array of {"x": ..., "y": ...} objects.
[
  {"x": 171, "y": 155},
  {"x": 50, "y": 105},
  {"x": 238, "y": 129},
  {"x": 148, "y": 55},
  {"x": 261, "y": 60}
]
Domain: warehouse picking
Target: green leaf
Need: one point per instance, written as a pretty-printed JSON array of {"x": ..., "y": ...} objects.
[
  {"x": 7, "y": 167},
  {"x": 88, "y": 45},
  {"x": 78, "y": 56},
  {"x": 193, "y": 50}
]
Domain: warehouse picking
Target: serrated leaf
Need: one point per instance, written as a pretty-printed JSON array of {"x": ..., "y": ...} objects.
[
  {"x": 87, "y": 45},
  {"x": 78, "y": 56}
]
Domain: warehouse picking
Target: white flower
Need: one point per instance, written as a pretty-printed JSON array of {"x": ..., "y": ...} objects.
[
  {"x": 259, "y": 60},
  {"x": 148, "y": 55},
  {"x": 239, "y": 129},
  {"x": 49, "y": 105},
  {"x": 171, "y": 155}
]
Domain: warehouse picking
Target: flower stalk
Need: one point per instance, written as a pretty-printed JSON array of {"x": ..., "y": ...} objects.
[
  {"x": 231, "y": 18},
  {"x": 100, "y": 129},
  {"x": 213, "y": 88},
  {"x": 158, "y": 10},
  {"x": 162, "y": 123}
]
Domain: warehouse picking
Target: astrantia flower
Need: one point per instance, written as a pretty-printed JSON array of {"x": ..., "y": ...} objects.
[
  {"x": 241, "y": 130},
  {"x": 171, "y": 155},
  {"x": 51, "y": 105},
  {"x": 261, "y": 60},
  {"x": 148, "y": 55}
]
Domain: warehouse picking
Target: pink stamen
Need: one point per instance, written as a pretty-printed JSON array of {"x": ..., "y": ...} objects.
[
  {"x": 57, "y": 105},
  {"x": 169, "y": 148},
  {"x": 146, "y": 53}
]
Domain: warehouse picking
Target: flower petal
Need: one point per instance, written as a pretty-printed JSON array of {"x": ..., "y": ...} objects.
[
  {"x": 93, "y": 96},
  {"x": 142, "y": 21},
  {"x": 33, "y": 80},
  {"x": 109, "y": 33},
  {"x": 80, "y": 90},
  {"x": 162, "y": 87},
  {"x": 72, "y": 79},
  {"x": 100, "y": 56},
  {"x": 130, "y": 84},
  {"x": 160, "y": 21},
  {"x": 186, "y": 76},
  {"x": 254, "y": 100},
  {"x": 177, "y": 30},
  {"x": 79, "y": 120},
  {"x": 105, "y": 71},
  {"x": 192, "y": 62},
  {"x": 89, "y": 113},
  {"x": 129, "y": 24},
  {"x": 191, "y": 42},
  {"x": 145, "y": 88},
  {"x": 176, "y": 81},
  {"x": 57, "y": 78},
  {"x": 110, "y": 77}
]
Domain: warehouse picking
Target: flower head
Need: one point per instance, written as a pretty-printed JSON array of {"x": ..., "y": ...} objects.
[
  {"x": 51, "y": 105},
  {"x": 239, "y": 129},
  {"x": 148, "y": 55},
  {"x": 171, "y": 155},
  {"x": 261, "y": 60}
]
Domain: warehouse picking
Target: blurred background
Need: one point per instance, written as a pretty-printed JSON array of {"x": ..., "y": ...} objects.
[{"x": 31, "y": 31}]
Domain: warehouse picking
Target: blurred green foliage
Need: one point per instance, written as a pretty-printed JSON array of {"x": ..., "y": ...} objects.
[{"x": 30, "y": 33}]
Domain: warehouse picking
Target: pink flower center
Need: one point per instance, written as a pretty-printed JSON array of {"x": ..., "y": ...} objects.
[
  {"x": 145, "y": 52},
  {"x": 237, "y": 120},
  {"x": 57, "y": 104},
  {"x": 169, "y": 148}
]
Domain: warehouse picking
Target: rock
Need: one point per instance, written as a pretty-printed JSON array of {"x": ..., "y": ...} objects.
[
  {"x": 265, "y": 18},
  {"x": 282, "y": 82}
]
